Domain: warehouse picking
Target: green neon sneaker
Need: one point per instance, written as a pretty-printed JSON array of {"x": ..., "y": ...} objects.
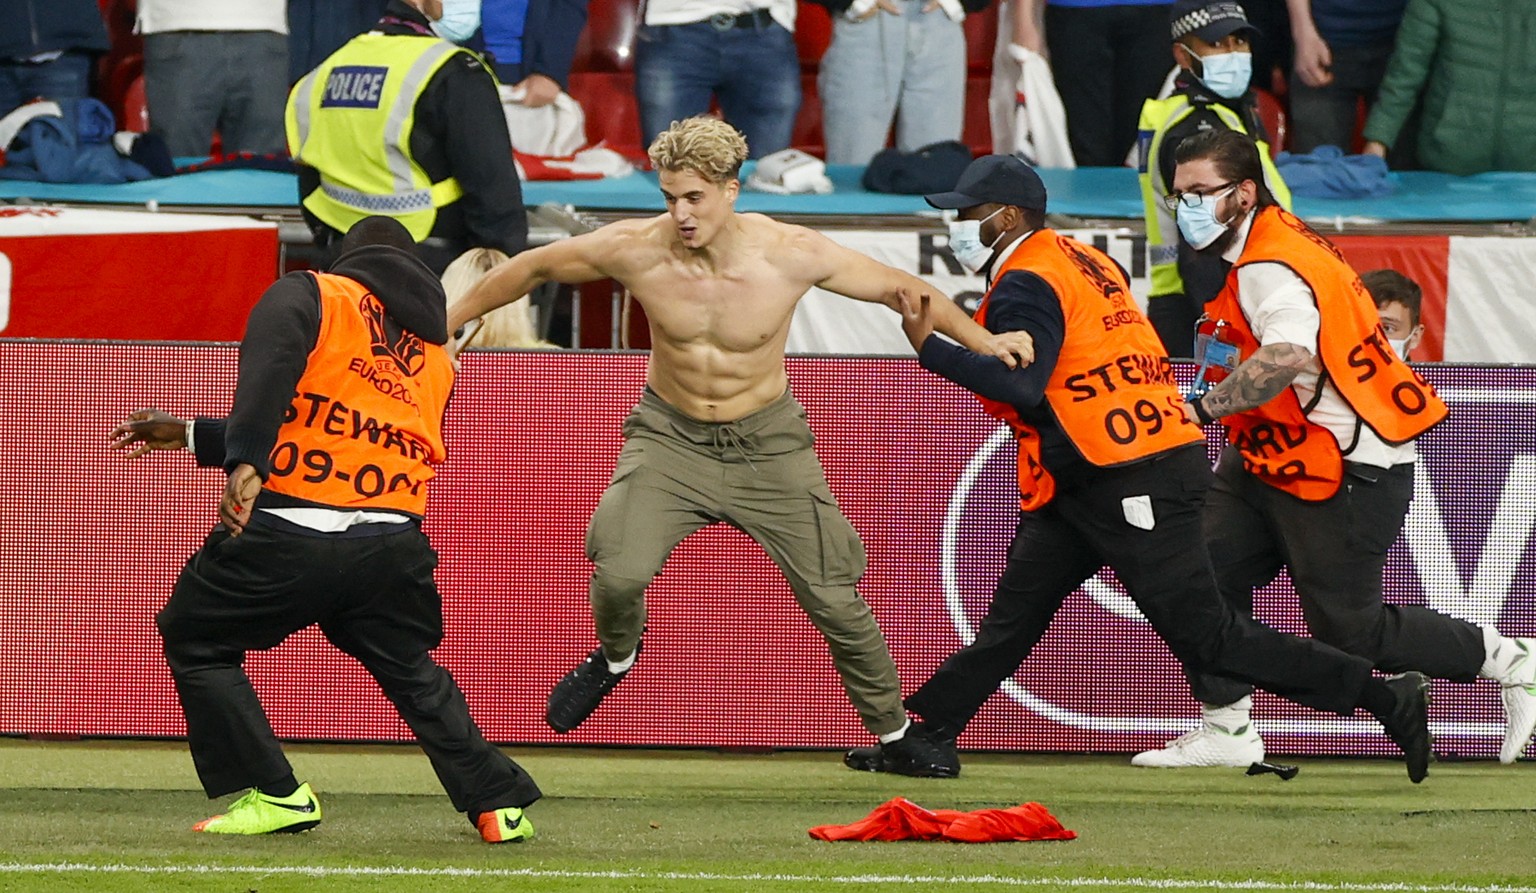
[
  {"x": 505, "y": 825},
  {"x": 258, "y": 813}
]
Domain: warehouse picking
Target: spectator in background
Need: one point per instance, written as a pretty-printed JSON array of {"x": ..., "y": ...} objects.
[
  {"x": 318, "y": 28},
  {"x": 1398, "y": 302},
  {"x": 510, "y": 325},
  {"x": 1470, "y": 61},
  {"x": 401, "y": 121},
  {"x": 46, "y": 49},
  {"x": 892, "y": 59},
  {"x": 532, "y": 44},
  {"x": 742, "y": 53},
  {"x": 1342, "y": 48},
  {"x": 1212, "y": 44},
  {"x": 215, "y": 66},
  {"x": 1107, "y": 57}
]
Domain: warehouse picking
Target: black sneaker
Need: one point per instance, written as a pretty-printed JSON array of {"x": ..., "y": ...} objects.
[
  {"x": 578, "y": 694},
  {"x": 917, "y": 753},
  {"x": 1408, "y": 723},
  {"x": 864, "y": 759}
]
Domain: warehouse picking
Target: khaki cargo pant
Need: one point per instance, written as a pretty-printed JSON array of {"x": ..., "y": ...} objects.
[{"x": 760, "y": 475}]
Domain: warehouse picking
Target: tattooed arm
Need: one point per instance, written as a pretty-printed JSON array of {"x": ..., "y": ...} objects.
[{"x": 1257, "y": 381}]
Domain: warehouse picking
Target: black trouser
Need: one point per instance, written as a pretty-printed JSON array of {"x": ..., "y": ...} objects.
[
  {"x": 1106, "y": 62},
  {"x": 1166, "y": 572},
  {"x": 374, "y": 598},
  {"x": 1335, "y": 551}
]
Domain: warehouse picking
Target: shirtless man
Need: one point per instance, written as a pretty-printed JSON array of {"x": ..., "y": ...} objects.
[{"x": 717, "y": 436}]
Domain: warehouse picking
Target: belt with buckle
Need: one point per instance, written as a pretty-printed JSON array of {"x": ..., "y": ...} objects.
[{"x": 724, "y": 21}]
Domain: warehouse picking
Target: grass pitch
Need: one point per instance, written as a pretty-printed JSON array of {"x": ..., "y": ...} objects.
[{"x": 105, "y": 817}]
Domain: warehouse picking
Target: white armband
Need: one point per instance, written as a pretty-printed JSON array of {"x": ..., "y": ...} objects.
[{"x": 191, "y": 444}]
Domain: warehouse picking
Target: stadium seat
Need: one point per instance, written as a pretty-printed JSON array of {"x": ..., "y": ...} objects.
[
  {"x": 1272, "y": 113},
  {"x": 977, "y": 133},
  {"x": 113, "y": 84},
  {"x": 135, "y": 111},
  {"x": 808, "y": 136},
  {"x": 813, "y": 34},
  {"x": 607, "y": 43},
  {"x": 613, "y": 113},
  {"x": 980, "y": 40}
]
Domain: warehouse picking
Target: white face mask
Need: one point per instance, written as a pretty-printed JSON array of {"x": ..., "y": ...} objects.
[
  {"x": 1400, "y": 345},
  {"x": 1198, "y": 223},
  {"x": 966, "y": 245},
  {"x": 1227, "y": 74},
  {"x": 460, "y": 21}
]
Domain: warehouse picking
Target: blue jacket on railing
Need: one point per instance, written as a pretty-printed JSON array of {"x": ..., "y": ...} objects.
[{"x": 72, "y": 147}]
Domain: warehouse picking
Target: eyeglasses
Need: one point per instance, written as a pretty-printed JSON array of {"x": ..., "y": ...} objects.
[{"x": 1172, "y": 200}]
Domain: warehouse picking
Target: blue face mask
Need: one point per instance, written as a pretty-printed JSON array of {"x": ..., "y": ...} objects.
[
  {"x": 1227, "y": 74},
  {"x": 966, "y": 245},
  {"x": 1198, "y": 222},
  {"x": 460, "y": 21}
]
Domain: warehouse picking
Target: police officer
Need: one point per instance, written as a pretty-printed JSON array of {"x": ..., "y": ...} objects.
[
  {"x": 403, "y": 122},
  {"x": 1213, "y": 47},
  {"x": 1318, "y": 472},
  {"x": 1111, "y": 472}
]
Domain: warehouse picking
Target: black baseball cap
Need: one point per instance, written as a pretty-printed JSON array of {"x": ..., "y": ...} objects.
[
  {"x": 1209, "y": 20},
  {"x": 1004, "y": 179}
]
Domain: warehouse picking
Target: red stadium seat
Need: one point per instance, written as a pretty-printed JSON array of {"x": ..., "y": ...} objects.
[
  {"x": 613, "y": 113},
  {"x": 135, "y": 114},
  {"x": 977, "y": 133},
  {"x": 808, "y": 134},
  {"x": 813, "y": 34},
  {"x": 981, "y": 40},
  {"x": 113, "y": 84},
  {"x": 1272, "y": 113},
  {"x": 608, "y": 41}
]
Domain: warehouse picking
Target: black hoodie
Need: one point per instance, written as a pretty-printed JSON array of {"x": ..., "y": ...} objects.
[{"x": 284, "y": 327}]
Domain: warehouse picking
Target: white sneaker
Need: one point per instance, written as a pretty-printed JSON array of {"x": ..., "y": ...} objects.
[
  {"x": 1207, "y": 745},
  {"x": 1519, "y": 720},
  {"x": 1508, "y": 661}
]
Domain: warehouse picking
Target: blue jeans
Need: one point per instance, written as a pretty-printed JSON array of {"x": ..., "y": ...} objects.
[
  {"x": 67, "y": 77},
  {"x": 753, "y": 71},
  {"x": 909, "y": 67}
]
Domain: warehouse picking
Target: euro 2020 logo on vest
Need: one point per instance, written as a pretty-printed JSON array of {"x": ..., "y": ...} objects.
[
  {"x": 1466, "y": 550},
  {"x": 408, "y": 351}
]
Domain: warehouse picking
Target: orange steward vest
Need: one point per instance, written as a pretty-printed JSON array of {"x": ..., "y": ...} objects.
[
  {"x": 1112, "y": 390},
  {"x": 365, "y": 424},
  {"x": 1279, "y": 444}
]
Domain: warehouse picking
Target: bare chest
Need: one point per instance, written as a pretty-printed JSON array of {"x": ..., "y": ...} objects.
[{"x": 736, "y": 309}]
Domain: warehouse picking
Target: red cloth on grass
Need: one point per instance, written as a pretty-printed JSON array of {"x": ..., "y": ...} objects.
[{"x": 901, "y": 819}]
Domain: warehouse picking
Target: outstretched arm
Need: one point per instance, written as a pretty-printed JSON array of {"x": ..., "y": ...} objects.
[
  {"x": 584, "y": 258},
  {"x": 863, "y": 278},
  {"x": 149, "y": 430}
]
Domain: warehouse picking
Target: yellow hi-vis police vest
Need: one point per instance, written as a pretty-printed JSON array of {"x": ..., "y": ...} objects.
[
  {"x": 351, "y": 119},
  {"x": 1158, "y": 116}
]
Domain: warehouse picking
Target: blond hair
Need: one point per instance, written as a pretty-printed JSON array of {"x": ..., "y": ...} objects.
[
  {"x": 510, "y": 325},
  {"x": 703, "y": 144}
]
